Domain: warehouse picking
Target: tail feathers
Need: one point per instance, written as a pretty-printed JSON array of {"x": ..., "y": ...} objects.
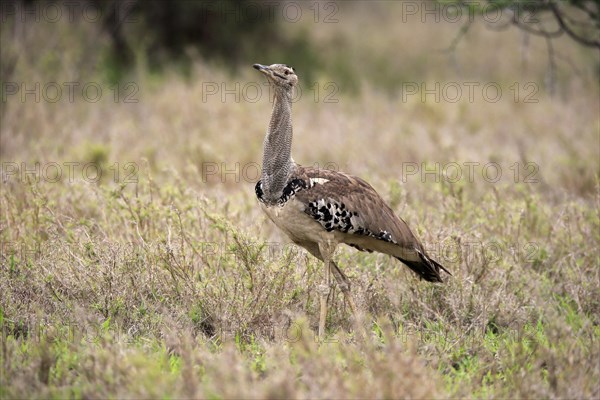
[{"x": 426, "y": 268}]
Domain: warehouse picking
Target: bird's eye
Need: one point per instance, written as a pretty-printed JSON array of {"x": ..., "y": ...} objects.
[{"x": 287, "y": 72}]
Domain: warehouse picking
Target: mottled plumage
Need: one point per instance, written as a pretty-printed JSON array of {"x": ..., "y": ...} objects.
[
  {"x": 350, "y": 208},
  {"x": 319, "y": 209}
]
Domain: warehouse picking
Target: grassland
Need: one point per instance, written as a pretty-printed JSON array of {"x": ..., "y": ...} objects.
[{"x": 161, "y": 278}]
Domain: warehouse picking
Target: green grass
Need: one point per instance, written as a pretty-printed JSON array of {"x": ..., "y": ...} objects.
[
  {"x": 159, "y": 280},
  {"x": 195, "y": 300}
]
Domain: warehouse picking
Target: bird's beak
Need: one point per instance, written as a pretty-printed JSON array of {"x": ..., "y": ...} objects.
[{"x": 261, "y": 68}]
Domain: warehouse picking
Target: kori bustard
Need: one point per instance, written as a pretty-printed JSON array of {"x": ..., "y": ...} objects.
[{"x": 319, "y": 209}]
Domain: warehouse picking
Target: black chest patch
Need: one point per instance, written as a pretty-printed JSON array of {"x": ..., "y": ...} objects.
[
  {"x": 289, "y": 191},
  {"x": 259, "y": 192}
]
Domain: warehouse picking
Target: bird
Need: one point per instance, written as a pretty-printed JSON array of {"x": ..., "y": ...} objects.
[{"x": 319, "y": 209}]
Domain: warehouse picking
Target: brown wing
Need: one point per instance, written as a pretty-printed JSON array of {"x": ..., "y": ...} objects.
[{"x": 351, "y": 207}]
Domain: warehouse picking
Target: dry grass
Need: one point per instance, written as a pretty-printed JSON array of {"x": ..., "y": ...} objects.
[{"x": 173, "y": 284}]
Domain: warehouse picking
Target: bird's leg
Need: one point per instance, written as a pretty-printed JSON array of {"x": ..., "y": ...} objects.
[
  {"x": 344, "y": 284},
  {"x": 324, "y": 295}
]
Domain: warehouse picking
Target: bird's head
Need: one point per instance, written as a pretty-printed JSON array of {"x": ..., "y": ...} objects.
[{"x": 279, "y": 75}]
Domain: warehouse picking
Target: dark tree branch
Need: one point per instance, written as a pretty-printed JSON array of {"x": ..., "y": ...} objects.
[
  {"x": 582, "y": 26},
  {"x": 568, "y": 30},
  {"x": 593, "y": 15},
  {"x": 565, "y": 23}
]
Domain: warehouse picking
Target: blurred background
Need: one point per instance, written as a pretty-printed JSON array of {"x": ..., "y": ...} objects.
[
  {"x": 108, "y": 81},
  {"x": 354, "y": 41}
]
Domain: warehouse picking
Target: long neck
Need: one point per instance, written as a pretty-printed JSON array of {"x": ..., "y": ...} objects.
[{"x": 277, "y": 160}]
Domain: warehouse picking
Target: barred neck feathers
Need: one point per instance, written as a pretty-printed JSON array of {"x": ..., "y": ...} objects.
[{"x": 277, "y": 165}]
